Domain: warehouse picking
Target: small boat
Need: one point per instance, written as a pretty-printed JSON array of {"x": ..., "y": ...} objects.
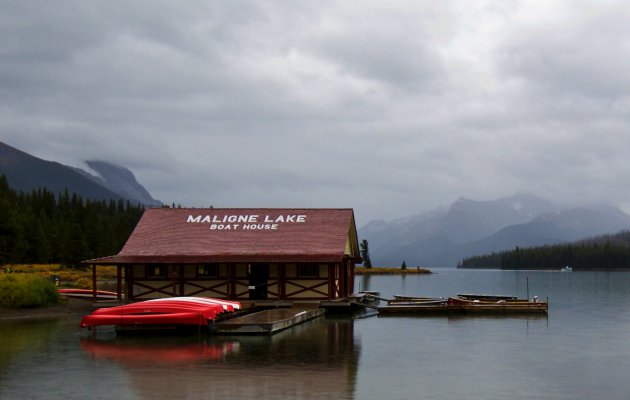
[
  {"x": 486, "y": 297},
  {"x": 417, "y": 302},
  {"x": 172, "y": 311},
  {"x": 87, "y": 294},
  {"x": 414, "y": 298},
  {"x": 566, "y": 269},
  {"x": 477, "y": 304},
  {"x": 499, "y": 306}
]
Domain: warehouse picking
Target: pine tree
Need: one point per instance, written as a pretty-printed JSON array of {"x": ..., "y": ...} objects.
[
  {"x": 39, "y": 227},
  {"x": 365, "y": 254},
  {"x": 404, "y": 265}
]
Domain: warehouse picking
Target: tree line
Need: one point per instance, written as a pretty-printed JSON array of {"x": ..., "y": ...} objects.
[
  {"x": 608, "y": 252},
  {"x": 40, "y": 227}
]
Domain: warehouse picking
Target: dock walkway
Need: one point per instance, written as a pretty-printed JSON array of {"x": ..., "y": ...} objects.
[{"x": 267, "y": 321}]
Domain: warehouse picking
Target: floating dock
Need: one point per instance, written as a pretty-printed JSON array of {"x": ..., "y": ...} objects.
[
  {"x": 453, "y": 306},
  {"x": 267, "y": 322}
]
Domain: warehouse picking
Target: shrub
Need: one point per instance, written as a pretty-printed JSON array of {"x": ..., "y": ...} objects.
[{"x": 26, "y": 290}]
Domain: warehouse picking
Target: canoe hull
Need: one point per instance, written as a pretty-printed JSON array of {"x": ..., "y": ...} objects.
[
  {"x": 181, "y": 318},
  {"x": 178, "y": 311},
  {"x": 88, "y": 294}
]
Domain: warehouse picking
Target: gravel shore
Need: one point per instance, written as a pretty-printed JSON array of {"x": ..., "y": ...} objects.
[{"x": 66, "y": 307}]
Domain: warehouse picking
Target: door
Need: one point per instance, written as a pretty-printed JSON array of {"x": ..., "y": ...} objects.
[{"x": 258, "y": 277}]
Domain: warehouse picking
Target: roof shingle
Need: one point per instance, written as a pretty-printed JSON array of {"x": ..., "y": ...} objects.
[{"x": 193, "y": 235}]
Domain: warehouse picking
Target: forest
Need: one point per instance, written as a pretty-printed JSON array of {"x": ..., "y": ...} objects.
[
  {"x": 40, "y": 227},
  {"x": 608, "y": 252}
]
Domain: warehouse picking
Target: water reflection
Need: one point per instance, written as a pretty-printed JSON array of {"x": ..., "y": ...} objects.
[
  {"x": 578, "y": 352},
  {"x": 364, "y": 282},
  {"x": 315, "y": 360},
  {"x": 23, "y": 337},
  {"x": 140, "y": 352}
]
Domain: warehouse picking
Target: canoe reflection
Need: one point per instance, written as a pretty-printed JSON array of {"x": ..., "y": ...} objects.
[
  {"x": 315, "y": 360},
  {"x": 157, "y": 353}
]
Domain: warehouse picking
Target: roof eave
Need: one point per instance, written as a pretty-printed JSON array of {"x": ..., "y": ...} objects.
[{"x": 216, "y": 258}]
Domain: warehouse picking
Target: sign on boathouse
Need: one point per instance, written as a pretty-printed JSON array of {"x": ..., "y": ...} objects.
[{"x": 246, "y": 222}]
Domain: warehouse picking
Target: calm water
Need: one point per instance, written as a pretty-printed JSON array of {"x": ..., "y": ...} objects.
[{"x": 580, "y": 351}]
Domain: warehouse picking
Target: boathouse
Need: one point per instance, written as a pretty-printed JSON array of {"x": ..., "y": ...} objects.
[{"x": 239, "y": 253}]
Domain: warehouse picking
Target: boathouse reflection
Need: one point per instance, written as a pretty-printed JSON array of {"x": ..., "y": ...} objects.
[{"x": 318, "y": 359}]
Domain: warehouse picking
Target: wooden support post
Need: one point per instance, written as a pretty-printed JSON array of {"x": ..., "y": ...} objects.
[
  {"x": 174, "y": 279},
  {"x": 282, "y": 281},
  {"x": 332, "y": 277},
  {"x": 351, "y": 283},
  {"x": 94, "y": 282},
  {"x": 119, "y": 282},
  {"x": 181, "y": 280},
  {"x": 129, "y": 281},
  {"x": 231, "y": 281}
]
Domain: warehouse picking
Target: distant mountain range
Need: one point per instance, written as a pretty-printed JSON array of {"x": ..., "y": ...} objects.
[
  {"x": 25, "y": 172},
  {"x": 443, "y": 237}
]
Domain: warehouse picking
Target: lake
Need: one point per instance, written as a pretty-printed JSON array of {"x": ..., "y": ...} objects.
[{"x": 581, "y": 350}]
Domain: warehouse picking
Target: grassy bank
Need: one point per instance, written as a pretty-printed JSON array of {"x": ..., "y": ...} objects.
[
  {"x": 68, "y": 277},
  {"x": 30, "y": 286},
  {"x": 389, "y": 271},
  {"x": 27, "y": 290}
]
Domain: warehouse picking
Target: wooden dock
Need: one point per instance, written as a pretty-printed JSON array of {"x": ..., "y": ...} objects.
[
  {"x": 358, "y": 306},
  {"x": 267, "y": 322},
  {"x": 473, "y": 309}
]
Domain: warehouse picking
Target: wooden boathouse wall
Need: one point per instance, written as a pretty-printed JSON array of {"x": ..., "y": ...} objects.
[
  {"x": 161, "y": 260},
  {"x": 233, "y": 282}
]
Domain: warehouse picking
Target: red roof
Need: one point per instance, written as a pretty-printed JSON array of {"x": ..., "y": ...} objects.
[{"x": 198, "y": 235}]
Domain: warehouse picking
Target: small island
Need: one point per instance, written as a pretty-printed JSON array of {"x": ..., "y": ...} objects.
[{"x": 389, "y": 271}]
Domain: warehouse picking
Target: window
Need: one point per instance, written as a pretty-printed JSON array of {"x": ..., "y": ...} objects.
[
  {"x": 157, "y": 271},
  {"x": 208, "y": 271},
  {"x": 308, "y": 271}
]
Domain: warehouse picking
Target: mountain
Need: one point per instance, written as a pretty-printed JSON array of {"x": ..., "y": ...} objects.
[
  {"x": 444, "y": 237},
  {"x": 122, "y": 181},
  {"x": 25, "y": 172}
]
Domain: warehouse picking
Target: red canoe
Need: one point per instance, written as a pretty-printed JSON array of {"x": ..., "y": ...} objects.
[
  {"x": 167, "y": 311},
  {"x": 181, "y": 318},
  {"x": 226, "y": 304},
  {"x": 88, "y": 294},
  {"x": 209, "y": 312}
]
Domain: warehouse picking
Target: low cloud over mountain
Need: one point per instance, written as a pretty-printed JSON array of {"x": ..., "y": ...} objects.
[
  {"x": 26, "y": 173},
  {"x": 443, "y": 237}
]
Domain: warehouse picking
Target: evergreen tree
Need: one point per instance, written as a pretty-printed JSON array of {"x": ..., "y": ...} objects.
[
  {"x": 38, "y": 227},
  {"x": 404, "y": 265},
  {"x": 6, "y": 231},
  {"x": 365, "y": 254},
  {"x": 76, "y": 248}
]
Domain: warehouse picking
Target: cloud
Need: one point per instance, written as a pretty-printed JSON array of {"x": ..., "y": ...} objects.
[{"x": 389, "y": 108}]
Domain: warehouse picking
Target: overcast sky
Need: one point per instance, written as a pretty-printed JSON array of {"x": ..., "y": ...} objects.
[{"x": 389, "y": 107}]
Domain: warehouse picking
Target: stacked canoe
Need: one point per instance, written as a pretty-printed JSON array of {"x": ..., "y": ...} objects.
[{"x": 171, "y": 311}]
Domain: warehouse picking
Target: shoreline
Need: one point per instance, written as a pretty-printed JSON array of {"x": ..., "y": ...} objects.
[
  {"x": 66, "y": 307},
  {"x": 390, "y": 271},
  {"x": 71, "y": 306}
]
